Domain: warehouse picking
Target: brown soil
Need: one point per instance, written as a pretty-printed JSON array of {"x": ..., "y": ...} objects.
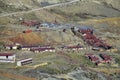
[{"x": 27, "y": 39}]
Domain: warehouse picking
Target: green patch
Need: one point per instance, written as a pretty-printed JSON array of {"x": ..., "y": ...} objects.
[
  {"x": 82, "y": 59},
  {"x": 10, "y": 8},
  {"x": 4, "y": 78},
  {"x": 30, "y": 16},
  {"x": 4, "y": 21},
  {"x": 7, "y": 65},
  {"x": 117, "y": 59}
]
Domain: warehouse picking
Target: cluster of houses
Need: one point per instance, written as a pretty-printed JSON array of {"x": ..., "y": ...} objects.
[
  {"x": 99, "y": 60},
  {"x": 11, "y": 58},
  {"x": 72, "y": 48},
  {"x": 45, "y": 48},
  {"x": 33, "y": 48},
  {"x": 91, "y": 39}
]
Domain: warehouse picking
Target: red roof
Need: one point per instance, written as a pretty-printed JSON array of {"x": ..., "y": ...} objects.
[
  {"x": 94, "y": 58},
  {"x": 27, "y": 31},
  {"x": 42, "y": 49},
  {"x": 30, "y": 23},
  {"x": 6, "y": 54},
  {"x": 106, "y": 57}
]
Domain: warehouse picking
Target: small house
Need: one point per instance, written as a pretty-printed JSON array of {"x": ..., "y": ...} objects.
[
  {"x": 30, "y": 22},
  {"x": 11, "y": 47},
  {"x": 7, "y": 57},
  {"x": 27, "y": 31},
  {"x": 94, "y": 59},
  {"x": 24, "y": 62},
  {"x": 28, "y": 47},
  {"x": 43, "y": 49},
  {"x": 106, "y": 58},
  {"x": 85, "y": 29},
  {"x": 74, "y": 48}
]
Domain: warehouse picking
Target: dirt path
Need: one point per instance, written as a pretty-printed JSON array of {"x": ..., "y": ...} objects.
[
  {"x": 23, "y": 12},
  {"x": 15, "y": 77}
]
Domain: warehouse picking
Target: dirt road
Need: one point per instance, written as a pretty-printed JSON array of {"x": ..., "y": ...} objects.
[{"x": 23, "y": 12}]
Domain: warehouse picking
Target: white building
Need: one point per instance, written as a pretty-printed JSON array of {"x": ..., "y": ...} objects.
[
  {"x": 24, "y": 62},
  {"x": 7, "y": 58},
  {"x": 11, "y": 47}
]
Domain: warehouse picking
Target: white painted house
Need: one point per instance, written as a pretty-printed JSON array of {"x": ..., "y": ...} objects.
[
  {"x": 24, "y": 62},
  {"x": 7, "y": 58},
  {"x": 11, "y": 47}
]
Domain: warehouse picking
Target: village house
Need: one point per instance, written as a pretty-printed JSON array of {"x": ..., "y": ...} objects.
[
  {"x": 85, "y": 29},
  {"x": 11, "y": 47},
  {"x": 106, "y": 58},
  {"x": 73, "y": 48},
  {"x": 30, "y": 22},
  {"x": 27, "y": 31},
  {"x": 24, "y": 62},
  {"x": 7, "y": 58},
  {"x": 99, "y": 60},
  {"x": 92, "y": 57},
  {"x": 43, "y": 49},
  {"x": 28, "y": 47}
]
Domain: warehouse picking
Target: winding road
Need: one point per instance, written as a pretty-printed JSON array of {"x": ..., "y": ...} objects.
[{"x": 46, "y": 7}]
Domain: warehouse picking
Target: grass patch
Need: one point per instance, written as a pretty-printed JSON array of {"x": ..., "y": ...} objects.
[
  {"x": 30, "y": 16},
  {"x": 10, "y": 8},
  {"x": 4, "y": 78},
  {"x": 82, "y": 59},
  {"x": 7, "y": 65},
  {"x": 117, "y": 59},
  {"x": 4, "y": 21},
  {"x": 58, "y": 70}
]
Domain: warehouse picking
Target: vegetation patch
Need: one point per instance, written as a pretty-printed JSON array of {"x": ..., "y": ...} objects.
[{"x": 4, "y": 21}]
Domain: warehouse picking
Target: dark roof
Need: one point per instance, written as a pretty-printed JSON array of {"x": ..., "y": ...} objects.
[
  {"x": 106, "y": 57},
  {"x": 41, "y": 49},
  {"x": 72, "y": 47},
  {"x": 6, "y": 54},
  {"x": 28, "y": 46},
  {"x": 94, "y": 58}
]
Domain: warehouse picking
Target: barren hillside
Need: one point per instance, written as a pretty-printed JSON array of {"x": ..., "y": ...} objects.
[{"x": 27, "y": 39}]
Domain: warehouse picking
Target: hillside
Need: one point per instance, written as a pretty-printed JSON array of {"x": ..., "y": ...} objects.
[
  {"x": 23, "y": 5},
  {"x": 69, "y": 61},
  {"x": 89, "y": 9},
  {"x": 27, "y": 39}
]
